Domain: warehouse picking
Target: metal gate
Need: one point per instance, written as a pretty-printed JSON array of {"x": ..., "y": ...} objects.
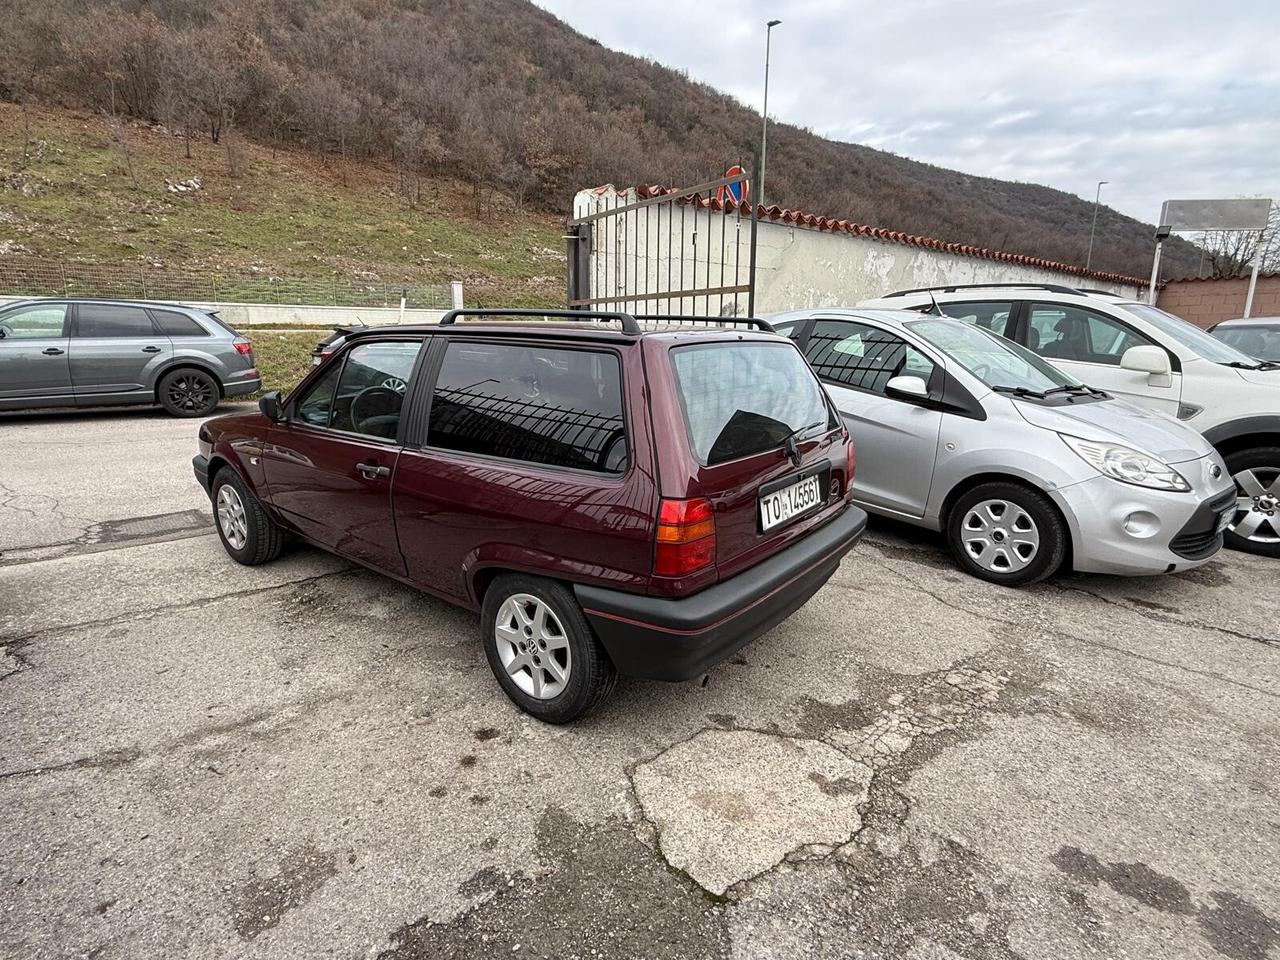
[{"x": 684, "y": 251}]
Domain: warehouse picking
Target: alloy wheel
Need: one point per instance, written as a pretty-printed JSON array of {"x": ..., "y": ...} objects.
[
  {"x": 190, "y": 392},
  {"x": 231, "y": 517},
  {"x": 1257, "y": 516},
  {"x": 532, "y": 646},
  {"x": 1000, "y": 536}
]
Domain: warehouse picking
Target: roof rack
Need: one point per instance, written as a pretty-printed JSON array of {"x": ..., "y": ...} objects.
[
  {"x": 952, "y": 287},
  {"x": 627, "y": 321},
  {"x": 1105, "y": 293},
  {"x": 756, "y": 322}
]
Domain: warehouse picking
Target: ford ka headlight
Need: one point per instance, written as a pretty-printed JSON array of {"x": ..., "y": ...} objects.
[{"x": 1127, "y": 464}]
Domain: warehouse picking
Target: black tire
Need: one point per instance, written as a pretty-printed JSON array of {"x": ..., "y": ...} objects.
[
  {"x": 263, "y": 538},
  {"x": 591, "y": 676},
  {"x": 1264, "y": 462},
  {"x": 188, "y": 392},
  {"x": 1043, "y": 562}
]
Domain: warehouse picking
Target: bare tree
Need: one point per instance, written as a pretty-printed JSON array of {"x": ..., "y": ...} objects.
[{"x": 1230, "y": 253}]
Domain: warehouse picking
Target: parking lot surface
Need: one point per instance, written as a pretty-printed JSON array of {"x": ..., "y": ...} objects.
[{"x": 307, "y": 759}]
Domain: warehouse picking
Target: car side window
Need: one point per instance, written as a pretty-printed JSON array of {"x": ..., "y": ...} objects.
[
  {"x": 105, "y": 320},
  {"x": 315, "y": 408},
  {"x": 548, "y": 405},
  {"x": 175, "y": 324},
  {"x": 28, "y": 323},
  {"x": 863, "y": 357},
  {"x": 990, "y": 315},
  {"x": 371, "y": 389},
  {"x": 1063, "y": 332}
]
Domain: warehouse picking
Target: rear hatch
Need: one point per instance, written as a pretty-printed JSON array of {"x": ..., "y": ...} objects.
[{"x": 764, "y": 446}]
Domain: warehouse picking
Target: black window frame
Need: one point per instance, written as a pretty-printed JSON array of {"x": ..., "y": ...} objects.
[
  {"x": 339, "y": 362},
  {"x": 417, "y": 438},
  {"x": 16, "y": 308}
]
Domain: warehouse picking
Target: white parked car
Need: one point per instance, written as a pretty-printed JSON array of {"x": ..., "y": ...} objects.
[{"x": 1141, "y": 353}]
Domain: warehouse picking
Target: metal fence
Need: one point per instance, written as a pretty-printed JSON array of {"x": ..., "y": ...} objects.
[
  {"x": 683, "y": 252},
  {"x": 29, "y": 277}
]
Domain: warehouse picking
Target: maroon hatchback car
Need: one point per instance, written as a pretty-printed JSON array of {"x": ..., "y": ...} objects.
[{"x": 611, "y": 499}]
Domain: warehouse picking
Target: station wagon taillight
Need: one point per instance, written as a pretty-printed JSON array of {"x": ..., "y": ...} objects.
[
  {"x": 243, "y": 346},
  {"x": 686, "y": 537},
  {"x": 850, "y": 464}
]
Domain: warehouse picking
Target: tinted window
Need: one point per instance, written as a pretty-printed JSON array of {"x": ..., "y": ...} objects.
[
  {"x": 44, "y": 320},
  {"x": 1260, "y": 342},
  {"x": 101, "y": 320},
  {"x": 989, "y": 315},
  {"x": 1060, "y": 332},
  {"x": 861, "y": 356},
  {"x": 744, "y": 398},
  {"x": 533, "y": 403},
  {"x": 178, "y": 324}
]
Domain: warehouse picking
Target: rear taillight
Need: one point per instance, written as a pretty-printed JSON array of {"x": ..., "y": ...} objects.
[
  {"x": 243, "y": 346},
  {"x": 850, "y": 464},
  {"x": 686, "y": 537}
]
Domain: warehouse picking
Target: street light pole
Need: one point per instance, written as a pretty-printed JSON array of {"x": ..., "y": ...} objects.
[
  {"x": 764, "y": 127},
  {"x": 1088, "y": 260}
]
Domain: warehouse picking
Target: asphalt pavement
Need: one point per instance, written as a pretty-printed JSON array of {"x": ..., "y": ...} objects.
[{"x": 306, "y": 759}]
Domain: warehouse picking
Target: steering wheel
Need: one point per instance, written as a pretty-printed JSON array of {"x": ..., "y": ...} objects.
[{"x": 391, "y": 402}]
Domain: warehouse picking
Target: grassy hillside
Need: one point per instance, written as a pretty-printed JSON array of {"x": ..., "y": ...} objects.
[{"x": 66, "y": 192}]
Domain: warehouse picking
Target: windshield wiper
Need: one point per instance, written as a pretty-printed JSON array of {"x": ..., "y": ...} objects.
[
  {"x": 789, "y": 441},
  {"x": 1258, "y": 365},
  {"x": 1019, "y": 391}
]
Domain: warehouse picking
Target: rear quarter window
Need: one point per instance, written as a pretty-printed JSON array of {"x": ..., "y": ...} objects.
[
  {"x": 175, "y": 324},
  {"x": 743, "y": 398}
]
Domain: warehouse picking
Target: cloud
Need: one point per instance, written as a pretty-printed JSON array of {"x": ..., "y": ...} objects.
[{"x": 1164, "y": 99}]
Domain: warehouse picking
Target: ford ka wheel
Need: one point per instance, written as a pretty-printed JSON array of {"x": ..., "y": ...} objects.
[
  {"x": 542, "y": 650},
  {"x": 1255, "y": 527},
  {"x": 247, "y": 532},
  {"x": 1007, "y": 533}
]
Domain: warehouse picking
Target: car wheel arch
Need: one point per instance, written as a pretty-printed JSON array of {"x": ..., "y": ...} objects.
[
  {"x": 182, "y": 363},
  {"x": 965, "y": 484}
]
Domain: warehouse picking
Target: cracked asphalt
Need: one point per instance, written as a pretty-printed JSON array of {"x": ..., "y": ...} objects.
[{"x": 305, "y": 759}]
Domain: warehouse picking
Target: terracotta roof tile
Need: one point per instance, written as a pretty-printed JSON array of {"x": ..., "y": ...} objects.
[{"x": 775, "y": 213}]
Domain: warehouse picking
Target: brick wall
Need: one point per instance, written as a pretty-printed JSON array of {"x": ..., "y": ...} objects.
[{"x": 1205, "y": 302}]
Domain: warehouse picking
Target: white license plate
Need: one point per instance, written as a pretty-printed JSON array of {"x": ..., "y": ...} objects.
[
  {"x": 782, "y": 505},
  {"x": 1224, "y": 519}
]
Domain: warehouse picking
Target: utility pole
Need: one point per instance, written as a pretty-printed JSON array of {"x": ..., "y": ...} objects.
[
  {"x": 1088, "y": 260},
  {"x": 764, "y": 128}
]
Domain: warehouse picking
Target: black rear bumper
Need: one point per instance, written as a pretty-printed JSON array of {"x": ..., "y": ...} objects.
[{"x": 677, "y": 639}]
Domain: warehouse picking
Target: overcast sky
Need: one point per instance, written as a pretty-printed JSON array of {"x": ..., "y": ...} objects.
[{"x": 1166, "y": 99}]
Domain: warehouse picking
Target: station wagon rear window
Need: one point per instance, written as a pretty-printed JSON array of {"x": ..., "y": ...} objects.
[
  {"x": 548, "y": 405},
  {"x": 747, "y": 397}
]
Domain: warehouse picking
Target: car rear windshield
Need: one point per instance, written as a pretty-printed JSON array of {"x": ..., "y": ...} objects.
[{"x": 743, "y": 398}]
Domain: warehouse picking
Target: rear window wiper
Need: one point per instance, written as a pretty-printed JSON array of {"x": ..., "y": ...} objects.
[
  {"x": 1019, "y": 391},
  {"x": 789, "y": 441}
]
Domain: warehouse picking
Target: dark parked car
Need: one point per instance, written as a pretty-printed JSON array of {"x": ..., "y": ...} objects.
[
  {"x": 612, "y": 501},
  {"x": 1256, "y": 336},
  {"x": 88, "y": 353}
]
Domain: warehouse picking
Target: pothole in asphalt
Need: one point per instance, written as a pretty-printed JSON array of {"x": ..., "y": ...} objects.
[{"x": 730, "y": 804}]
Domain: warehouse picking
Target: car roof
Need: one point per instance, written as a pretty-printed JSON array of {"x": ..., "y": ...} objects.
[
  {"x": 1248, "y": 322},
  {"x": 1001, "y": 291},
  {"x": 886, "y": 315},
  {"x": 123, "y": 301},
  {"x": 580, "y": 330}
]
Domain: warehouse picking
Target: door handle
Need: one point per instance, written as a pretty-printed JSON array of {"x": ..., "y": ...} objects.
[
  {"x": 150, "y": 349},
  {"x": 372, "y": 471},
  {"x": 52, "y": 352}
]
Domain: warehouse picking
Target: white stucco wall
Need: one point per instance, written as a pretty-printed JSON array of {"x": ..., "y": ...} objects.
[{"x": 643, "y": 252}]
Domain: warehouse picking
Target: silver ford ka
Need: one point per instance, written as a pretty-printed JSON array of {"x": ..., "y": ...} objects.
[{"x": 1023, "y": 468}]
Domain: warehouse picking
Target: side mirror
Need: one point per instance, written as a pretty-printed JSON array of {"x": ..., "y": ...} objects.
[
  {"x": 269, "y": 404},
  {"x": 1152, "y": 361},
  {"x": 907, "y": 388}
]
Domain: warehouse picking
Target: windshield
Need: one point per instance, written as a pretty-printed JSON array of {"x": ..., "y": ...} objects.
[
  {"x": 745, "y": 398},
  {"x": 1189, "y": 335},
  {"x": 997, "y": 362}
]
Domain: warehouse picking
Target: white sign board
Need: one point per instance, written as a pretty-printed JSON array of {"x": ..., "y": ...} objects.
[{"x": 1215, "y": 214}]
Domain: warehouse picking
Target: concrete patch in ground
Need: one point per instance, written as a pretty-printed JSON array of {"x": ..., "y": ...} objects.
[{"x": 730, "y": 804}]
